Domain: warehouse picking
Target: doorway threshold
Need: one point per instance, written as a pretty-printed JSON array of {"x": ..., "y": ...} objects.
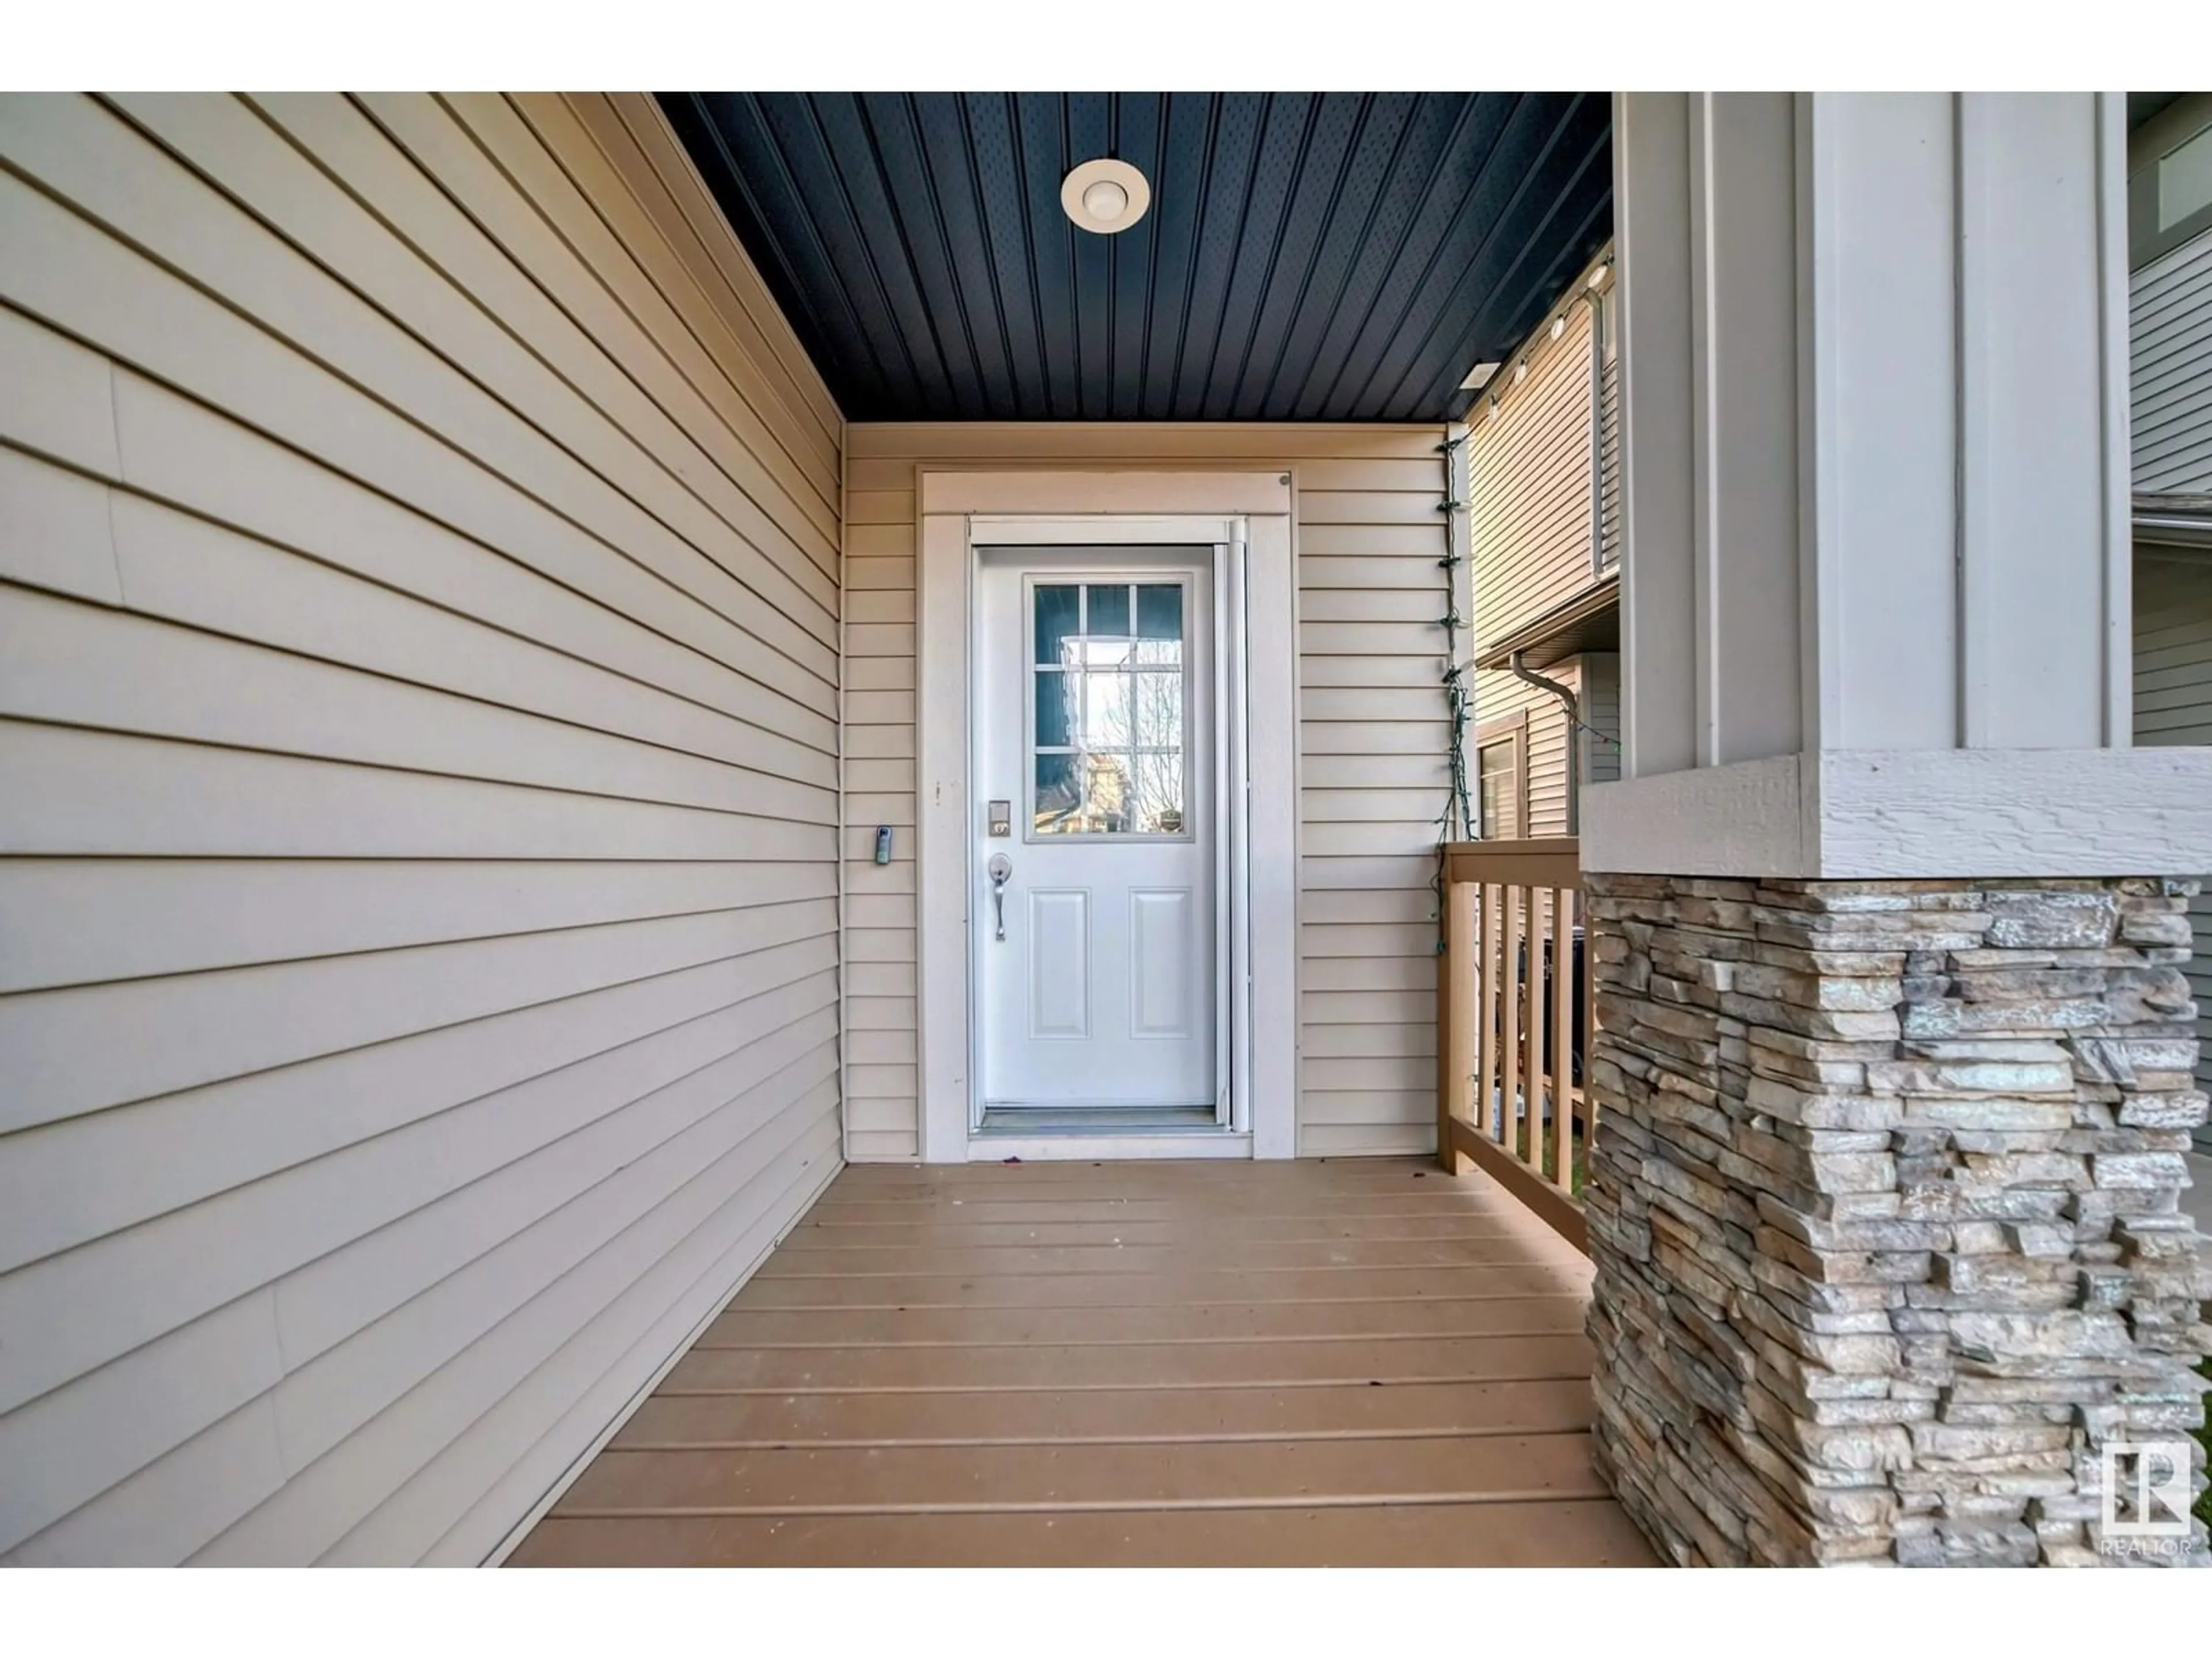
[
  {"x": 1045, "y": 1134},
  {"x": 1099, "y": 1120}
]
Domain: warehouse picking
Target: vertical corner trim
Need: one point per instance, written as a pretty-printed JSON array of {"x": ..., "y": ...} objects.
[
  {"x": 1819, "y": 456},
  {"x": 1970, "y": 141},
  {"x": 1704, "y": 456},
  {"x": 2118, "y": 712}
]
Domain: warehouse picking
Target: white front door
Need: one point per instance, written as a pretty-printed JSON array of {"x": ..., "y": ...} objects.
[{"x": 1096, "y": 834}]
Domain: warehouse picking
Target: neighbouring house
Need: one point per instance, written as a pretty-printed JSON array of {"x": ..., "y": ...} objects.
[
  {"x": 2170, "y": 358},
  {"x": 733, "y": 828},
  {"x": 1544, "y": 514},
  {"x": 1545, "y": 503}
]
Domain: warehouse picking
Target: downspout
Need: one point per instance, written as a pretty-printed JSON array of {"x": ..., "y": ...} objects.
[{"x": 1574, "y": 734}]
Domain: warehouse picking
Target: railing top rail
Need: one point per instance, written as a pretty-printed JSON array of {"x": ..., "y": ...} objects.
[{"x": 1544, "y": 861}]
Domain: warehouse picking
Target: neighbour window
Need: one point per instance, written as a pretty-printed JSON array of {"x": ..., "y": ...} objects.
[
  {"x": 2185, "y": 180},
  {"x": 2170, "y": 178},
  {"x": 1107, "y": 726},
  {"x": 1500, "y": 783}
]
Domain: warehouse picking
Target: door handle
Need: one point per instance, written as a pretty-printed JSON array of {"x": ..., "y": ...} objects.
[{"x": 999, "y": 869}]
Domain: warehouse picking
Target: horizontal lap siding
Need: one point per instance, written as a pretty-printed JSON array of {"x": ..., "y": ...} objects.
[
  {"x": 1609, "y": 457},
  {"x": 2170, "y": 362},
  {"x": 1545, "y": 749},
  {"x": 2170, "y": 426},
  {"x": 419, "y": 543},
  {"x": 1550, "y": 739},
  {"x": 1530, "y": 503},
  {"x": 1372, "y": 744},
  {"x": 1601, "y": 695},
  {"x": 2173, "y": 705},
  {"x": 1530, "y": 518},
  {"x": 881, "y": 1053}
]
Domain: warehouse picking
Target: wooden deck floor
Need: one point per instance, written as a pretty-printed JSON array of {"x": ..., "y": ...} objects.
[{"x": 1357, "y": 1363}]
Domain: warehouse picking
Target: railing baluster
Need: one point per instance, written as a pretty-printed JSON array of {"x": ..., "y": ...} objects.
[
  {"x": 1446, "y": 1009},
  {"x": 1486, "y": 1022},
  {"x": 1540, "y": 1065},
  {"x": 1456, "y": 976},
  {"x": 1510, "y": 1043},
  {"x": 1562, "y": 1037},
  {"x": 1532, "y": 1030},
  {"x": 1518, "y": 990},
  {"x": 1589, "y": 1028}
]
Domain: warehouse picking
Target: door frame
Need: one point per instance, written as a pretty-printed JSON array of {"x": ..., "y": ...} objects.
[
  {"x": 1211, "y": 576},
  {"x": 1249, "y": 514}
]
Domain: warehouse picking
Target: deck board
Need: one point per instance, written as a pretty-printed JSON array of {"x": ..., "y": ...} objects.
[
  {"x": 1048, "y": 1417},
  {"x": 1191, "y": 1286},
  {"x": 1341, "y": 1363},
  {"x": 774, "y": 1327}
]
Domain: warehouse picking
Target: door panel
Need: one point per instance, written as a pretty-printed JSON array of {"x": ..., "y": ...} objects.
[
  {"x": 1094, "y": 744},
  {"x": 1162, "y": 941},
  {"x": 1059, "y": 964}
]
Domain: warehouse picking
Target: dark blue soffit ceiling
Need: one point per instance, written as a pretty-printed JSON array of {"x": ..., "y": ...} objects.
[{"x": 1332, "y": 256}]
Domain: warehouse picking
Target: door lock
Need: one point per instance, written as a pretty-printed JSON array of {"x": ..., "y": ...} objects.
[{"x": 999, "y": 869}]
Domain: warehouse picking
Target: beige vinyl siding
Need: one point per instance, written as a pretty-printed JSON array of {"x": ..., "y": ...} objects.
[
  {"x": 881, "y": 1074},
  {"x": 1609, "y": 434},
  {"x": 1499, "y": 696},
  {"x": 419, "y": 664},
  {"x": 2173, "y": 705},
  {"x": 1372, "y": 740},
  {"x": 1529, "y": 455},
  {"x": 1548, "y": 745},
  {"x": 2170, "y": 360},
  {"x": 1530, "y": 509}
]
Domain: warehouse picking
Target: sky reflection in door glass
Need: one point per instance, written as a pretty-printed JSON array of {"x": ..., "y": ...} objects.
[
  {"x": 1159, "y": 616},
  {"x": 1058, "y": 619}
]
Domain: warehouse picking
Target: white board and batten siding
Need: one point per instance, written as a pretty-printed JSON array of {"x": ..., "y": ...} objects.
[
  {"x": 1372, "y": 769},
  {"x": 419, "y": 541}
]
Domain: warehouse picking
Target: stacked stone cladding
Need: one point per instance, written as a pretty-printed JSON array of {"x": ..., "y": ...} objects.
[{"x": 1884, "y": 1204}]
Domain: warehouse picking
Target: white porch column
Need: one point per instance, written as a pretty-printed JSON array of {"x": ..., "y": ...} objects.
[
  {"x": 1876, "y": 620},
  {"x": 1894, "y": 1051}
]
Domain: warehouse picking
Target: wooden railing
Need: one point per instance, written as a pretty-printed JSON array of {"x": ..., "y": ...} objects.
[{"x": 1514, "y": 1018}]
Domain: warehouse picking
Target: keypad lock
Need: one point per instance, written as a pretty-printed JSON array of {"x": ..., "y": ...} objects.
[{"x": 1001, "y": 819}]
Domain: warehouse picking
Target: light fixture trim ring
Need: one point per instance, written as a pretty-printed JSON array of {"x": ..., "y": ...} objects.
[{"x": 1104, "y": 170}]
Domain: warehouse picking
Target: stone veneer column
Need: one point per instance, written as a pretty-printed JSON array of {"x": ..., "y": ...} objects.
[{"x": 1884, "y": 1205}]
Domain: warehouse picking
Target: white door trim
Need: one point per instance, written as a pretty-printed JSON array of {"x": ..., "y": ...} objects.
[
  {"x": 963, "y": 510},
  {"x": 1068, "y": 495}
]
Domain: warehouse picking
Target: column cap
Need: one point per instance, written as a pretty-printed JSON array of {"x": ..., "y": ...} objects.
[{"x": 1911, "y": 814}]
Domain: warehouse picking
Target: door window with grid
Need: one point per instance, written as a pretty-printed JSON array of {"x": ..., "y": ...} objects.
[{"x": 1107, "y": 721}]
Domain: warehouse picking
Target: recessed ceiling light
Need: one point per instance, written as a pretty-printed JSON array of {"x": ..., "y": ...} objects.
[
  {"x": 1479, "y": 376},
  {"x": 1105, "y": 196}
]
